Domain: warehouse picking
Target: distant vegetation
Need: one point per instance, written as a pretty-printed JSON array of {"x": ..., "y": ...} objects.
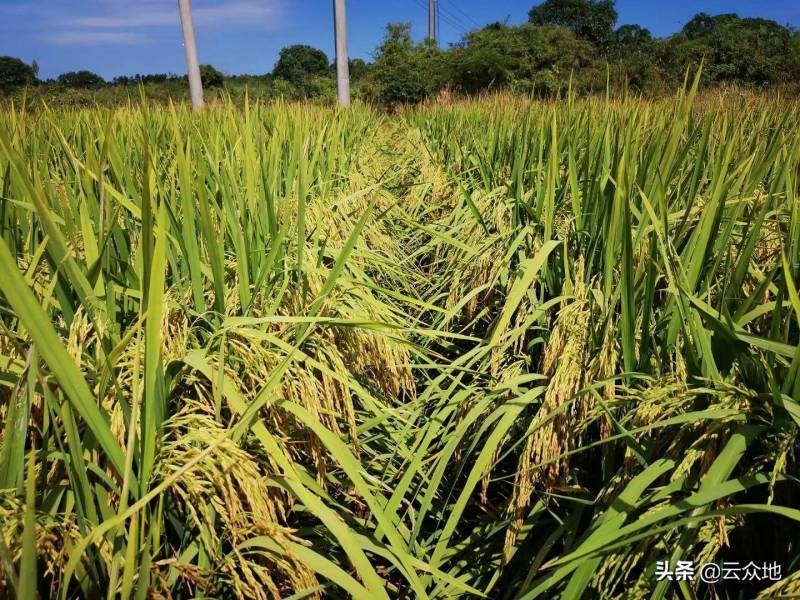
[
  {"x": 80, "y": 79},
  {"x": 577, "y": 43},
  {"x": 15, "y": 73}
]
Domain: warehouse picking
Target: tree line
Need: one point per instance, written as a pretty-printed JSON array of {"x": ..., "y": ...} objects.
[{"x": 565, "y": 43}]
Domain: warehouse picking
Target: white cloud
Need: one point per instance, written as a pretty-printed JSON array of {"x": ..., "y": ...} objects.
[
  {"x": 239, "y": 13},
  {"x": 127, "y": 15},
  {"x": 97, "y": 38},
  {"x": 128, "y": 22}
]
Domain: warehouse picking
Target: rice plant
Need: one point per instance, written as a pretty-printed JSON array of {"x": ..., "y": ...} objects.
[{"x": 498, "y": 348}]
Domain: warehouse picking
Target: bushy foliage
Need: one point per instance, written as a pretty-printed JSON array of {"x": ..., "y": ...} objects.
[
  {"x": 211, "y": 77},
  {"x": 80, "y": 79},
  {"x": 632, "y": 38},
  {"x": 751, "y": 51},
  {"x": 592, "y": 20},
  {"x": 358, "y": 69},
  {"x": 521, "y": 57},
  {"x": 15, "y": 73},
  {"x": 299, "y": 63},
  {"x": 405, "y": 71}
]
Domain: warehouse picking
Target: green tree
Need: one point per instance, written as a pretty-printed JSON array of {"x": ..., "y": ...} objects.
[
  {"x": 703, "y": 25},
  {"x": 521, "y": 57},
  {"x": 635, "y": 59},
  {"x": 592, "y": 20},
  {"x": 15, "y": 73},
  {"x": 211, "y": 77},
  {"x": 358, "y": 69},
  {"x": 795, "y": 45},
  {"x": 633, "y": 38},
  {"x": 80, "y": 79},
  {"x": 751, "y": 51},
  {"x": 299, "y": 63},
  {"x": 407, "y": 72}
]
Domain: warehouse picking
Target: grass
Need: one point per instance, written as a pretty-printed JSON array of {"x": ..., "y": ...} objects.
[{"x": 501, "y": 348}]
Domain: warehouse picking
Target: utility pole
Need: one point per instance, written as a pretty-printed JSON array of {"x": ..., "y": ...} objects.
[
  {"x": 190, "y": 48},
  {"x": 342, "y": 64},
  {"x": 432, "y": 20}
]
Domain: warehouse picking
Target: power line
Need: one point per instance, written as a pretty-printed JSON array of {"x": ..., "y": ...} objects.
[
  {"x": 421, "y": 4},
  {"x": 453, "y": 22},
  {"x": 461, "y": 12},
  {"x": 461, "y": 28},
  {"x": 438, "y": 21}
]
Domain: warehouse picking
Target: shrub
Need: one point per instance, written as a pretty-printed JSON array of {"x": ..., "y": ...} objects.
[
  {"x": 80, "y": 79},
  {"x": 300, "y": 62},
  {"x": 520, "y": 57},
  {"x": 15, "y": 73},
  {"x": 406, "y": 72},
  {"x": 211, "y": 77}
]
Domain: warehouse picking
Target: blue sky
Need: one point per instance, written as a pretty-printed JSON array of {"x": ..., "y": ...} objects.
[{"x": 123, "y": 37}]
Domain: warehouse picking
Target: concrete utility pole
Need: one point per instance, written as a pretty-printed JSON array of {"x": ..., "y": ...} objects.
[
  {"x": 342, "y": 64},
  {"x": 432, "y": 20},
  {"x": 190, "y": 48}
]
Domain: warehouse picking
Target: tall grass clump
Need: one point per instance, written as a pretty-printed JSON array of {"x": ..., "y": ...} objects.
[{"x": 498, "y": 348}]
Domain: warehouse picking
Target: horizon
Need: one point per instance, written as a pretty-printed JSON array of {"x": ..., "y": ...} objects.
[{"x": 116, "y": 38}]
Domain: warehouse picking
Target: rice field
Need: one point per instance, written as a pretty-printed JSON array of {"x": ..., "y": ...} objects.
[{"x": 498, "y": 348}]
